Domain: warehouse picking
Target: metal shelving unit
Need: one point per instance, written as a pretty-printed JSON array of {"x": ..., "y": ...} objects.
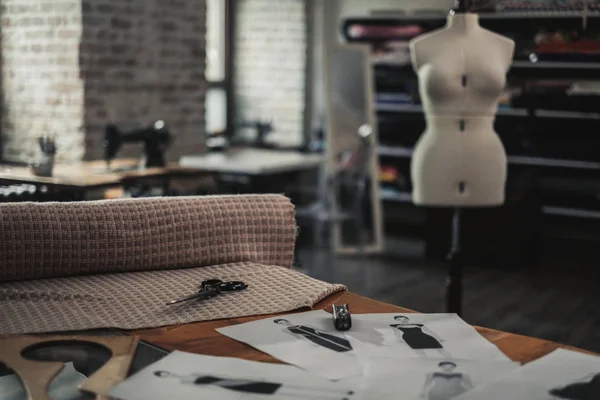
[
  {"x": 403, "y": 18},
  {"x": 556, "y": 65},
  {"x": 397, "y": 197},
  {"x": 540, "y": 14},
  {"x": 532, "y": 131},
  {"x": 416, "y": 108},
  {"x": 395, "y": 151}
]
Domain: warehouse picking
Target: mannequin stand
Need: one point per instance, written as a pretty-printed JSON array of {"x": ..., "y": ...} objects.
[{"x": 455, "y": 270}]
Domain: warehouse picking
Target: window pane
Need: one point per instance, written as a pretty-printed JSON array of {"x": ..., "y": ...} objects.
[
  {"x": 215, "y": 40},
  {"x": 270, "y": 66},
  {"x": 216, "y": 110}
]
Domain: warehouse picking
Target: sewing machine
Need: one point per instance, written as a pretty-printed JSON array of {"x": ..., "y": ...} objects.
[{"x": 156, "y": 139}]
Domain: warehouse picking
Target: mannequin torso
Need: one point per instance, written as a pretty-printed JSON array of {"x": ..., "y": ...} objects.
[{"x": 459, "y": 161}]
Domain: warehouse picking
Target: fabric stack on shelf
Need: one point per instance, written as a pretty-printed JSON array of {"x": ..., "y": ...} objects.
[{"x": 547, "y": 6}]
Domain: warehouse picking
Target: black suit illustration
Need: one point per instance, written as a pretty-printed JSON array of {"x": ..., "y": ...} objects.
[
  {"x": 323, "y": 339},
  {"x": 415, "y": 338},
  {"x": 258, "y": 386},
  {"x": 580, "y": 391},
  {"x": 239, "y": 385}
]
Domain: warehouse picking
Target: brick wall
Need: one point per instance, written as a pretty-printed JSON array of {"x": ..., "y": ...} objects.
[
  {"x": 142, "y": 60},
  {"x": 125, "y": 61},
  {"x": 270, "y": 65},
  {"x": 42, "y": 90}
]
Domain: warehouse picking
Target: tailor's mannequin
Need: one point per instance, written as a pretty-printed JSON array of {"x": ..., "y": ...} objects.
[{"x": 459, "y": 161}]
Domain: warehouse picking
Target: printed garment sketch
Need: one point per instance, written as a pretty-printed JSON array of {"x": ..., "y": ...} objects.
[
  {"x": 587, "y": 389},
  {"x": 316, "y": 336},
  {"x": 257, "y": 387},
  {"x": 416, "y": 336},
  {"x": 446, "y": 384},
  {"x": 239, "y": 385}
]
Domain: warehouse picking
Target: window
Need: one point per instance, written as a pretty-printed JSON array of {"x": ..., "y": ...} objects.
[
  {"x": 270, "y": 66},
  {"x": 216, "y": 71}
]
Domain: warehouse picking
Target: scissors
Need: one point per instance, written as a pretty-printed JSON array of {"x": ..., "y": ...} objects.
[{"x": 211, "y": 288}]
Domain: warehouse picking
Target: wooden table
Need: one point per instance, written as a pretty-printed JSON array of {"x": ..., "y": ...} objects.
[
  {"x": 252, "y": 170},
  {"x": 253, "y": 162},
  {"x": 78, "y": 179},
  {"x": 201, "y": 337}
]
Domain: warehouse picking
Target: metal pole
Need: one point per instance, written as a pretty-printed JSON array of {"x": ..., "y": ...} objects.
[
  {"x": 455, "y": 271},
  {"x": 462, "y": 6}
]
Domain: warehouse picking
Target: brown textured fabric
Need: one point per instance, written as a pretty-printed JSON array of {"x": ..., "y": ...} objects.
[
  {"x": 44, "y": 240},
  {"x": 177, "y": 242},
  {"x": 137, "y": 300}
]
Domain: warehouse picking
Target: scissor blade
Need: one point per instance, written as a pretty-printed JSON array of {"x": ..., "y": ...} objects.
[{"x": 186, "y": 298}]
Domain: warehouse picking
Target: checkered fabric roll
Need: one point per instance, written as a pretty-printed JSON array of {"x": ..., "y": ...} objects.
[{"x": 47, "y": 240}]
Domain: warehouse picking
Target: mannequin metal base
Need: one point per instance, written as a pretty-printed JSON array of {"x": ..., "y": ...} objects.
[{"x": 455, "y": 269}]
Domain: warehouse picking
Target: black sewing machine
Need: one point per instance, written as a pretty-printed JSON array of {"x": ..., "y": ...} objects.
[
  {"x": 263, "y": 129},
  {"x": 156, "y": 140}
]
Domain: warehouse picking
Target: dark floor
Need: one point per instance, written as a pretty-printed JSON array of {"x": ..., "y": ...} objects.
[{"x": 558, "y": 300}]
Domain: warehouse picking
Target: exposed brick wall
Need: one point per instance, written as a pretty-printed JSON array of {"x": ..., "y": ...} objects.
[
  {"x": 142, "y": 60},
  {"x": 270, "y": 64},
  {"x": 125, "y": 61},
  {"x": 42, "y": 90}
]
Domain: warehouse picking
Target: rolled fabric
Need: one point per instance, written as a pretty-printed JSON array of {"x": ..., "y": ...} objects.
[{"x": 49, "y": 240}]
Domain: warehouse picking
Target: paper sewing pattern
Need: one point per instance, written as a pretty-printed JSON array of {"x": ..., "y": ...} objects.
[
  {"x": 193, "y": 376},
  {"x": 64, "y": 386},
  {"x": 239, "y": 385},
  {"x": 307, "y": 340},
  {"x": 316, "y": 336},
  {"x": 446, "y": 384},
  {"x": 563, "y": 374},
  {"x": 393, "y": 335},
  {"x": 417, "y": 336},
  {"x": 588, "y": 389},
  {"x": 428, "y": 379}
]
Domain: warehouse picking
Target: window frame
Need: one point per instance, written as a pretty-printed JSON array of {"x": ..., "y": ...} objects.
[{"x": 226, "y": 84}]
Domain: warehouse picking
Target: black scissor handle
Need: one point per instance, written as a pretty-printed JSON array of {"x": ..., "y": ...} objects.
[
  {"x": 220, "y": 286},
  {"x": 233, "y": 286}
]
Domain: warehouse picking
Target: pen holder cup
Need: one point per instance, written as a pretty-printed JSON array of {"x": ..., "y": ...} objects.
[{"x": 44, "y": 167}]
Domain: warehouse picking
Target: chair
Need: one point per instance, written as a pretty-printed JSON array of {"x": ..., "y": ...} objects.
[{"x": 350, "y": 177}]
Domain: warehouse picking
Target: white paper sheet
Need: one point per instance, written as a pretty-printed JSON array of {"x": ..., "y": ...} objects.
[
  {"x": 563, "y": 374},
  {"x": 395, "y": 335},
  {"x": 63, "y": 387},
  {"x": 182, "y": 376},
  {"x": 307, "y": 340},
  {"x": 427, "y": 379}
]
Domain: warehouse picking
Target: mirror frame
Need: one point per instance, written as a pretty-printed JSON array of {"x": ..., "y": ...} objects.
[{"x": 377, "y": 243}]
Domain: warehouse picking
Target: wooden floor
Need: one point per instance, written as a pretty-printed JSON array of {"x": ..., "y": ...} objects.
[{"x": 558, "y": 300}]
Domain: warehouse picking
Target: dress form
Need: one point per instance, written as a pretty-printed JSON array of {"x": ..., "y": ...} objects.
[{"x": 459, "y": 161}]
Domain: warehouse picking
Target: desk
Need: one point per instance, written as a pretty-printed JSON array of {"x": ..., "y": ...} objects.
[
  {"x": 202, "y": 338},
  {"x": 251, "y": 161},
  {"x": 252, "y": 170},
  {"x": 78, "y": 179}
]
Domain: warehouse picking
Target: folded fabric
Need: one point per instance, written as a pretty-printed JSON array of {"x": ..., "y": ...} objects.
[{"x": 138, "y": 299}]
